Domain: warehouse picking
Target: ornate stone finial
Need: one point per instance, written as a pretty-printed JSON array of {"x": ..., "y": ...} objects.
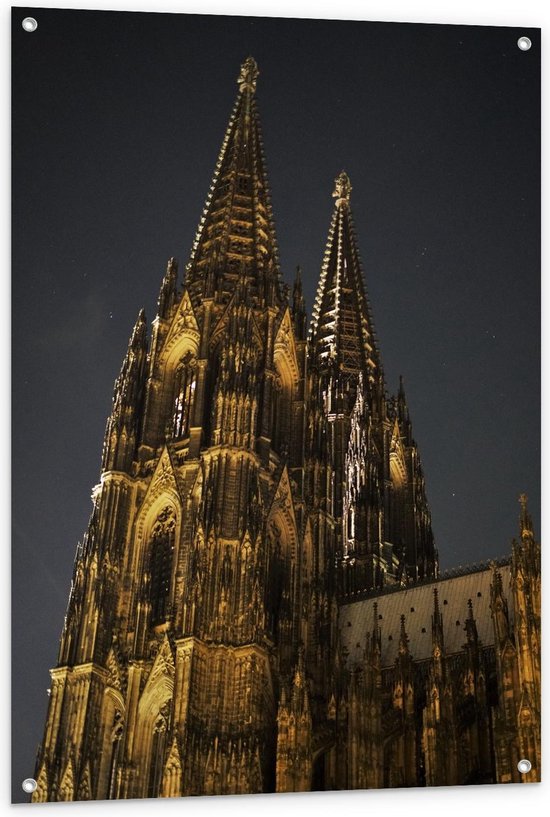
[
  {"x": 342, "y": 189},
  {"x": 248, "y": 76}
]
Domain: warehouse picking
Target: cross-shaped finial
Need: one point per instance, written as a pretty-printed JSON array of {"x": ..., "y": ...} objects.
[
  {"x": 248, "y": 76},
  {"x": 342, "y": 189}
]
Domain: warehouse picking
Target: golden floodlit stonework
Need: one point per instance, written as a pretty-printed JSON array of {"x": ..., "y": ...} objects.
[{"x": 256, "y": 605}]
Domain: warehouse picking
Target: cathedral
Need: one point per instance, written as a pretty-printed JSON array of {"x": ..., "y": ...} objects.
[{"x": 256, "y": 605}]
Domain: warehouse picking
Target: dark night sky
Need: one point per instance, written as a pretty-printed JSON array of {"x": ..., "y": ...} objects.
[{"x": 118, "y": 119}]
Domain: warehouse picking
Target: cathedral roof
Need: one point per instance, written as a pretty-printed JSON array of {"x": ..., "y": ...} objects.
[
  {"x": 236, "y": 235},
  {"x": 416, "y": 603},
  {"x": 342, "y": 328}
]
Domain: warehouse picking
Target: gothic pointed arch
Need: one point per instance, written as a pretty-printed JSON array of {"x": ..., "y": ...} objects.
[
  {"x": 164, "y": 483},
  {"x": 282, "y": 512},
  {"x": 42, "y": 791},
  {"x": 154, "y": 716},
  {"x": 85, "y": 790},
  {"x": 284, "y": 348},
  {"x": 162, "y": 673},
  {"x": 160, "y": 563},
  {"x": 223, "y": 323},
  {"x": 183, "y": 388},
  {"x": 283, "y": 589},
  {"x": 115, "y": 674},
  {"x": 284, "y": 386},
  {"x": 155, "y": 557},
  {"x": 113, "y": 723},
  {"x": 172, "y": 776},
  {"x": 170, "y": 398},
  {"x": 65, "y": 791},
  {"x": 183, "y": 335}
]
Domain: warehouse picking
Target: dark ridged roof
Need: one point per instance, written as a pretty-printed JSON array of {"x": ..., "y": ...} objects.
[{"x": 416, "y": 603}]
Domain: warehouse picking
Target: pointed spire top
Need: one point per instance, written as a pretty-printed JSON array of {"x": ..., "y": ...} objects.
[
  {"x": 342, "y": 189},
  {"x": 248, "y": 76},
  {"x": 139, "y": 330},
  {"x": 526, "y": 523},
  {"x": 299, "y": 671},
  {"x": 403, "y": 411},
  {"x": 341, "y": 332},
  {"x": 237, "y": 220},
  {"x": 523, "y": 498},
  {"x": 167, "y": 294}
]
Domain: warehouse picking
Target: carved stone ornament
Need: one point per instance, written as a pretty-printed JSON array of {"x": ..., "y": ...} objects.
[
  {"x": 248, "y": 76},
  {"x": 342, "y": 189}
]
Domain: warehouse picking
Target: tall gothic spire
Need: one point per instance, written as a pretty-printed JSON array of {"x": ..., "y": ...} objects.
[
  {"x": 236, "y": 230},
  {"x": 342, "y": 328}
]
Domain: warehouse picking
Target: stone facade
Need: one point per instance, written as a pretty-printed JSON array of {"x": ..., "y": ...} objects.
[{"x": 261, "y": 503}]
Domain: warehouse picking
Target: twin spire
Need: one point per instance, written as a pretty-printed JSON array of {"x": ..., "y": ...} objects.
[
  {"x": 236, "y": 239},
  {"x": 342, "y": 330},
  {"x": 236, "y": 234}
]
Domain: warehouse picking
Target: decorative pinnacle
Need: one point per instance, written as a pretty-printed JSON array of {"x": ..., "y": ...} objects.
[
  {"x": 526, "y": 523},
  {"x": 523, "y": 502},
  {"x": 139, "y": 328},
  {"x": 248, "y": 76},
  {"x": 342, "y": 189}
]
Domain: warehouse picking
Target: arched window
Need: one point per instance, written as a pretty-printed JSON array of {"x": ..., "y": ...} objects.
[
  {"x": 184, "y": 393},
  {"x": 160, "y": 565}
]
